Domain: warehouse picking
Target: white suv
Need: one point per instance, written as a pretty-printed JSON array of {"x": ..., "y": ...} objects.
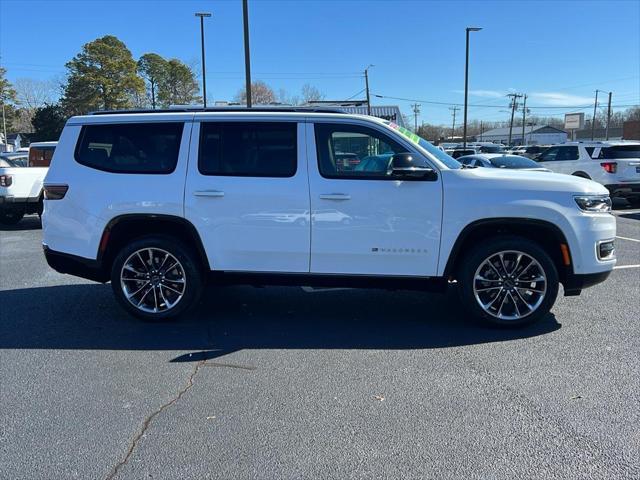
[
  {"x": 158, "y": 203},
  {"x": 616, "y": 165}
]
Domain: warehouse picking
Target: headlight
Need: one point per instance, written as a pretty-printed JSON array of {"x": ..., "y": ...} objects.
[{"x": 594, "y": 203}]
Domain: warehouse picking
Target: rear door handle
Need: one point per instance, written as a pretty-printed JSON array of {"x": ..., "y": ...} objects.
[
  {"x": 335, "y": 196},
  {"x": 208, "y": 193}
]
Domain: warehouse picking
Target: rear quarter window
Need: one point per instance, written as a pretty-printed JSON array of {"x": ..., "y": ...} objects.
[{"x": 151, "y": 148}]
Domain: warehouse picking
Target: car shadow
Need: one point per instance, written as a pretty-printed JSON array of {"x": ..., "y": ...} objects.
[
  {"x": 29, "y": 222},
  {"x": 631, "y": 216},
  {"x": 235, "y": 318}
]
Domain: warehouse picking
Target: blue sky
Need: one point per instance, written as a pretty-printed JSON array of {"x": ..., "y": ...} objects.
[{"x": 558, "y": 52}]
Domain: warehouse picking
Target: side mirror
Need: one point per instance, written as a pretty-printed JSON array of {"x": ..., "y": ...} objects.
[{"x": 409, "y": 167}]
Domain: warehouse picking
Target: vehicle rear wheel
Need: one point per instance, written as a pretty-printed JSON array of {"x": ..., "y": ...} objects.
[
  {"x": 508, "y": 281},
  {"x": 10, "y": 218},
  {"x": 156, "y": 278}
]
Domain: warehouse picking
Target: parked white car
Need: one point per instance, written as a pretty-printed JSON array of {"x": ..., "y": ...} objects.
[
  {"x": 501, "y": 160},
  {"x": 616, "y": 165},
  {"x": 20, "y": 188},
  {"x": 157, "y": 203}
]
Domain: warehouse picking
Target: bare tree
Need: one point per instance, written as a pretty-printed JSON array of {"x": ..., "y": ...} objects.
[
  {"x": 32, "y": 94},
  {"x": 261, "y": 94},
  {"x": 311, "y": 93}
]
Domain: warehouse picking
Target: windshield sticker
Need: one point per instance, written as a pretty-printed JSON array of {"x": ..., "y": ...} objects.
[{"x": 406, "y": 133}]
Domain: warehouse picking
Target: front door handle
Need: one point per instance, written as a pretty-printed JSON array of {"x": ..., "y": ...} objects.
[
  {"x": 208, "y": 193},
  {"x": 335, "y": 196}
]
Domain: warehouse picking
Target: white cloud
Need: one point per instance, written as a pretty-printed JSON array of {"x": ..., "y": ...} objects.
[
  {"x": 483, "y": 93},
  {"x": 559, "y": 99},
  {"x": 486, "y": 93}
]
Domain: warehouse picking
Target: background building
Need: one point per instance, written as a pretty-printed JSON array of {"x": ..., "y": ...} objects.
[
  {"x": 534, "y": 135},
  {"x": 387, "y": 112}
]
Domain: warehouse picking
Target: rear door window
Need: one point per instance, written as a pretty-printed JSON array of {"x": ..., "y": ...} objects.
[
  {"x": 619, "y": 152},
  {"x": 151, "y": 148},
  {"x": 258, "y": 149}
]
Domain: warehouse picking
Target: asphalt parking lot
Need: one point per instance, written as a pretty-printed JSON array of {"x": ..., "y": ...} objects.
[{"x": 295, "y": 383}]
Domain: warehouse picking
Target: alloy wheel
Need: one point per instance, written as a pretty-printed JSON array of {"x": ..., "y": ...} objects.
[
  {"x": 510, "y": 285},
  {"x": 153, "y": 280}
]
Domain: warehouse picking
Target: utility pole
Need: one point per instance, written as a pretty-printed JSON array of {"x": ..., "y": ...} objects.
[
  {"x": 366, "y": 87},
  {"x": 202, "y": 16},
  {"x": 593, "y": 119},
  {"x": 466, "y": 85},
  {"x": 247, "y": 54},
  {"x": 481, "y": 130},
  {"x": 453, "y": 127},
  {"x": 608, "y": 115},
  {"x": 524, "y": 116},
  {"x": 416, "y": 112},
  {"x": 514, "y": 103},
  {"x": 4, "y": 128}
]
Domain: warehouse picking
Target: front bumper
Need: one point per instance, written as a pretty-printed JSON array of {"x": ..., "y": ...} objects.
[
  {"x": 574, "y": 283},
  {"x": 74, "y": 265}
]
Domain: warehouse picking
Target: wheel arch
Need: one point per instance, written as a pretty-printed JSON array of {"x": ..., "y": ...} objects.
[
  {"x": 581, "y": 174},
  {"x": 548, "y": 235},
  {"x": 124, "y": 228}
]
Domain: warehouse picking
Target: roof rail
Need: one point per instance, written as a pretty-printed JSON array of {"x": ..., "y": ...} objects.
[{"x": 265, "y": 108}]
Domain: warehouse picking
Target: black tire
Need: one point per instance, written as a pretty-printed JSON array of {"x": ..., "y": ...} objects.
[
  {"x": 191, "y": 269},
  {"x": 492, "y": 246},
  {"x": 634, "y": 201},
  {"x": 10, "y": 218}
]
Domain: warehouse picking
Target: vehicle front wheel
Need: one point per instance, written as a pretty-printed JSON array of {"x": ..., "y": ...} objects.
[
  {"x": 10, "y": 218},
  {"x": 508, "y": 281},
  {"x": 156, "y": 278}
]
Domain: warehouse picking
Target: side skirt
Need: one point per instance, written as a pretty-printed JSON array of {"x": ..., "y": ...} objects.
[{"x": 430, "y": 284}]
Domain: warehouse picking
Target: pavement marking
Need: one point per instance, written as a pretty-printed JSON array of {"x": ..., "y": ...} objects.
[
  {"x": 627, "y": 238},
  {"x": 626, "y": 266}
]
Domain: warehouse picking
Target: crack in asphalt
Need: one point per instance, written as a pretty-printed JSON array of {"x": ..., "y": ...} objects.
[{"x": 149, "y": 419}]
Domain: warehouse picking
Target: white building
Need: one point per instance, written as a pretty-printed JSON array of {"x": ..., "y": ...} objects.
[{"x": 533, "y": 135}]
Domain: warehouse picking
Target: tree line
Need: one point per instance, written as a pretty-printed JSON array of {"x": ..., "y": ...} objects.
[{"x": 104, "y": 75}]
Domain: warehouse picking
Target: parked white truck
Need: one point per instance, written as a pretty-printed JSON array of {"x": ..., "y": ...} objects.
[{"x": 20, "y": 189}]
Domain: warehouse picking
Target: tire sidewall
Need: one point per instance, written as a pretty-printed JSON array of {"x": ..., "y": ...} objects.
[
  {"x": 492, "y": 246},
  {"x": 192, "y": 270}
]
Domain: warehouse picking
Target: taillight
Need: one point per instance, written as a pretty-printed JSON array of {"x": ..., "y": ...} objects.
[
  {"x": 55, "y": 192},
  {"x": 6, "y": 180},
  {"x": 610, "y": 167}
]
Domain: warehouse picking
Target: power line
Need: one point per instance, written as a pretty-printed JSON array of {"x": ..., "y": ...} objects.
[
  {"x": 495, "y": 106},
  {"x": 355, "y": 94}
]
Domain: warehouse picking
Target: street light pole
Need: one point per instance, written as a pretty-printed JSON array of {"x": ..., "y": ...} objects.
[
  {"x": 202, "y": 16},
  {"x": 366, "y": 86},
  {"x": 247, "y": 54},
  {"x": 466, "y": 86}
]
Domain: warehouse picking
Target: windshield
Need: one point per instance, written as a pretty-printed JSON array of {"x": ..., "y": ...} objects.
[
  {"x": 425, "y": 145},
  {"x": 513, "y": 161}
]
